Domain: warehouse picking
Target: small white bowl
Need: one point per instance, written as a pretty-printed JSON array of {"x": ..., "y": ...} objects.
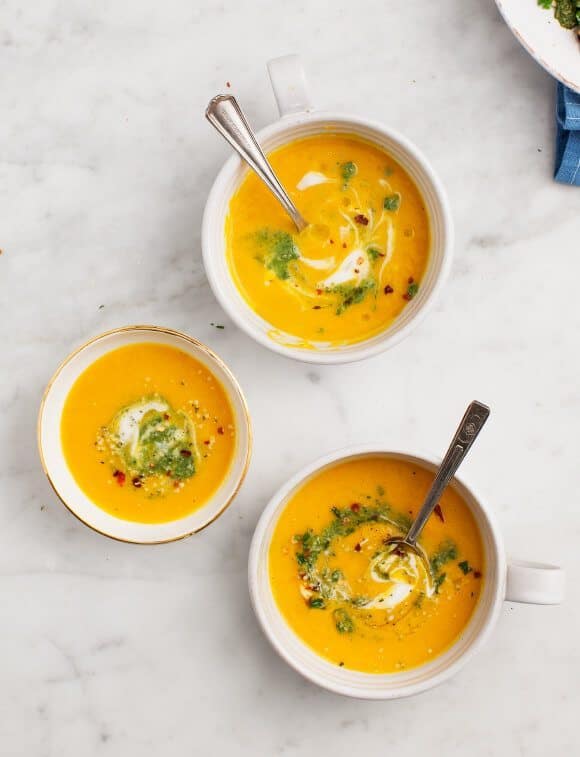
[
  {"x": 298, "y": 121},
  {"x": 63, "y": 482},
  {"x": 517, "y": 582}
]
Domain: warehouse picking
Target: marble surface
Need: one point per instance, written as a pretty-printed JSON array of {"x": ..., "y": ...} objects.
[{"x": 105, "y": 163}]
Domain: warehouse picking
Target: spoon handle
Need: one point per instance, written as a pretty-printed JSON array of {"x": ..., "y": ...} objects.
[
  {"x": 226, "y": 116},
  {"x": 467, "y": 432}
]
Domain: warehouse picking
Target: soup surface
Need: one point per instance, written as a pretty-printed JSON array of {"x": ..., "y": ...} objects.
[
  {"x": 148, "y": 433},
  {"x": 361, "y": 260},
  {"x": 357, "y": 601}
]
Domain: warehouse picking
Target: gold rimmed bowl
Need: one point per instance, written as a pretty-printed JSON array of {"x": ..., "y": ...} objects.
[{"x": 62, "y": 480}]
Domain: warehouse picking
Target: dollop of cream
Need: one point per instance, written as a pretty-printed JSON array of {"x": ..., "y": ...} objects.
[
  {"x": 129, "y": 420},
  {"x": 311, "y": 179},
  {"x": 403, "y": 572},
  {"x": 354, "y": 268}
]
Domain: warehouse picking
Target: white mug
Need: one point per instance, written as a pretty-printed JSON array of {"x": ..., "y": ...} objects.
[
  {"x": 297, "y": 119},
  {"x": 514, "y": 581}
]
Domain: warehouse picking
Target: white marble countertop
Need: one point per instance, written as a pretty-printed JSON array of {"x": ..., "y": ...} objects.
[{"x": 105, "y": 163}]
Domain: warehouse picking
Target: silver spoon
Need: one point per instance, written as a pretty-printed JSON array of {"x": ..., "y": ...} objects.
[
  {"x": 467, "y": 432},
  {"x": 226, "y": 116}
]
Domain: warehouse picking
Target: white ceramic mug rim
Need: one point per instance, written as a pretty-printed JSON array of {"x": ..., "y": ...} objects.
[
  {"x": 490, "y": 619},
  {"x": 387, "y": 338}
]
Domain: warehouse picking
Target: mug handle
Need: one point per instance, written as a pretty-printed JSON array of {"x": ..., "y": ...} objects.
[
  {"x": 535, "y": 583},
  {"x": 290, "y": 85}
]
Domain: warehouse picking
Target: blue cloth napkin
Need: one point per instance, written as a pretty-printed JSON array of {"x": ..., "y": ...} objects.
[{"x": 567, "y": 169}]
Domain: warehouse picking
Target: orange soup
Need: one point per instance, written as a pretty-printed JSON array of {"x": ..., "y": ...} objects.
[
  {"x": 148, "y": 433},
  {"x": 357, "y": 600},
  {"x": 358, "y": 264}
]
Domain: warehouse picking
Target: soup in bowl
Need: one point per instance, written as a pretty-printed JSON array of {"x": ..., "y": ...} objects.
[
  {"x": 356, "y": 615},
  {"x": 375, "y": 253},
  {"x": 144, "y": 434}
]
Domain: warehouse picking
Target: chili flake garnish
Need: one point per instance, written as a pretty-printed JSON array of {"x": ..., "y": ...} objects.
[
  {"x": 355, "y": 507},
  {"x": 388, "y": 289},
  {"x": 120, "y": 476},
  {"x": 439, "y": 513},
  {"x": 220, "y": 429},
  {"x": 185, "y": 452},
  {"x": 357, "y": 547},
  {"x": 477, "y": 574},
  {"x": 360, "y": 218}
]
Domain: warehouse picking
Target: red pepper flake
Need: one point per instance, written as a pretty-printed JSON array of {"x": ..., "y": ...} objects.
[
  {"x": 137, "y": 483},
  {"x": 477, "y": 574},
  {"x": 317, "y": 307},
  {"x": 357, "y": 547},
  {"x": 363, "y": 220},
  {"x": 331, "y": 241},
  {"x": 166, "y": 416},
  {"x": 355, "y": 507},
  {"x": 120, "y": 476},
  {"x": 185, "y": 452},
  {"x": 410, "y": 280},
  {"x": 407, "y": 297},
  {"x": 356, "y": 270},
  {"x": 344, "y": 245},
  {"x": 206, "y": 441},
  {"x": 220, "y": 430},
  {"x": 439, "y": 513},
  {"x": 388, "y": 289},
  {"x": 319, "y": 291}
]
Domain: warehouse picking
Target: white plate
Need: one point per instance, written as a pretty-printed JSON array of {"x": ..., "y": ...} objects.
[{"x": 555, "y": 48}]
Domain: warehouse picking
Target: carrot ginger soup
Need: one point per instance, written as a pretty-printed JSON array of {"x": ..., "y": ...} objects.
[
  {"x": 360, "y": 261},
  {"x": 355, "y": 599},
  {"x": 148, "y": 433}
]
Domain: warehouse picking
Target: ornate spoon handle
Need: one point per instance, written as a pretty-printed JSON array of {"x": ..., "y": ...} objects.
[
  {"x": 467, "y": 432},
  {"x": 226, "y": 116}
]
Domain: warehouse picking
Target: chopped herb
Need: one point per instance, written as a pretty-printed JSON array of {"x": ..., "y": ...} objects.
[
  {"x": 374, "y": 254},
  {"x": 465, "y": 567},
  {"x": 335, "y": 576},
  {"x": 412, "y": 290},
  {"x": 343, "y": 621},
  {"x": 317, "y": 603},
  {"x": 446, "y": 552},
  {"x": 345, "y": 522},
  {"x": 359, "y": 601},
  {"x": 392, "y": 202},
  {"x": 380, "y": 491},
  {"x": 438, "y": 581},
  {"x": 347, "y": 171},
  {"x": 352, "y": 294},
  {"x": 281, "y": 251},
  {"x": 566, "y": 12}
]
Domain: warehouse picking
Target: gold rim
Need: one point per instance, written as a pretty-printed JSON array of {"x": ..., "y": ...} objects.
[{"x": 211, "y": 354}]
